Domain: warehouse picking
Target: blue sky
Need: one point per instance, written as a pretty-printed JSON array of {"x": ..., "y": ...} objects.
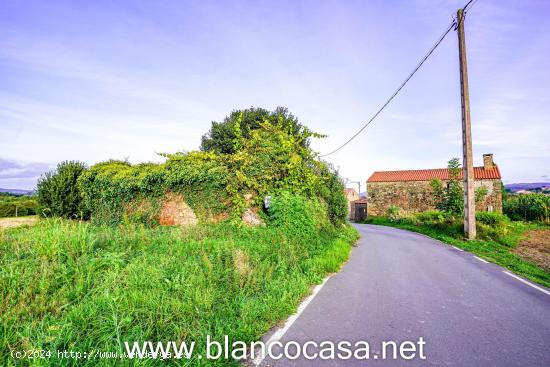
[{"x": 93, "y": 80}]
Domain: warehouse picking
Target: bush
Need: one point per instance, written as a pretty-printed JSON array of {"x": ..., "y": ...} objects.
[
  {"x": 394, "y": 213},
  {"x": 397, "y": 215},
  {"x": 529, "y": 207},
  {"x": 492, "y": 226},
  {"x": 58, "y": 193},
  {"x": 331, "y": 191},
  {"x": 491, "y": 218},
  {"x": 431, "y": 216},
  {"x": 296, "y": 214}
]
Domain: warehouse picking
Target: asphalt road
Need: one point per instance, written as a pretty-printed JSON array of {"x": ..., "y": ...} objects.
[{"x": 400, "y": 286}]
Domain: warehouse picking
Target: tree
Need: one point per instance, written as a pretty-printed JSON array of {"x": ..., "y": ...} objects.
[
  {"x": 223, "y": 137},
  {"x": 58, "y": 193},
  {"x": 451, "y": 199},
  {"x": 455, "y": 193}
]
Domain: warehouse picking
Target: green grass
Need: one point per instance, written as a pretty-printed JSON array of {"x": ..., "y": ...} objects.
[
  {"x": 497, "y": 252},
  {"x": 75, "y": 286}
]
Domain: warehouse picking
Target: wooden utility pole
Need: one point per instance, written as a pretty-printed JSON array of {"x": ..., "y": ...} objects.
[{"x": 468, "y": 166}]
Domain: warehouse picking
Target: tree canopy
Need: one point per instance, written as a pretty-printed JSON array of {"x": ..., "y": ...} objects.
[{"x": 224, "y": 137}]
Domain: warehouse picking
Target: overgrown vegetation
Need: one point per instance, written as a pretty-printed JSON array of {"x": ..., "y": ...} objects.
[
  {"x": 266, "y": 158},
  {"x": 58, "y": 193},
  {"x": 223, "y": 136},
  {"x": 69, "y": 285},
  {"x": 78, "y": 285},
  {"x": 529, "y": 207},
  {"x": 17, "y": 205},
  {"x": 450, "y": 199},
  {"x": 497, "y": 236}
]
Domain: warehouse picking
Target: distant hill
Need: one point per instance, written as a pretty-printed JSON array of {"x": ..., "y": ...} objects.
[
  {"x": 535, "y": 186},
  {"x": 17, "y": 191}
]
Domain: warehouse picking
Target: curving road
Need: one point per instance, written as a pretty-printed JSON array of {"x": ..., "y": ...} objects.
[{"x": 400, "y": 285}]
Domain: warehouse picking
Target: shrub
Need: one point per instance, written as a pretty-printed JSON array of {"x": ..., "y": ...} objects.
[
  {"x": 431, "y": 216},
  {"x": 492, "y": 226},
  {"x": 530, "y": 207},
  {"x": 331, "y": 191},
  {"x": 298, "y": 215},
  {"x": 394, "y": 213},
  {"x": 491, "y": 218},
  {"x": 58, "y": 193}
]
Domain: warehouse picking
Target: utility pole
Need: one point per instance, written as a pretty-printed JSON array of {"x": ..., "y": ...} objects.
[{"x": 468, "y": 166}]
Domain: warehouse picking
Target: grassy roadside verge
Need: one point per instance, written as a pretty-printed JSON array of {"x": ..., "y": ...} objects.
[
  {"x": 493, "y": 251},
  {"x": 75, "y": 286}
]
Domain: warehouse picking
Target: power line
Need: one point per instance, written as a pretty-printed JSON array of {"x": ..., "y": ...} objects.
[
  {"x": 428, "y": 54},
  {"x": 397, "y": 91},
  {"x": 470, "y": 5}
]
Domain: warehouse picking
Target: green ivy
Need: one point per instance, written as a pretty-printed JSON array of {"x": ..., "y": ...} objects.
[{"x": 267, "y": 160}]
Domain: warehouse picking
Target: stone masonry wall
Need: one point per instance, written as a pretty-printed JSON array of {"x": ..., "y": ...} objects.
[
  {"x": 493, "y": 200},
  {"x": 416, "y": 196}
]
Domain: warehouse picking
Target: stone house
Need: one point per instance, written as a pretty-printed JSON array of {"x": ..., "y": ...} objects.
[
  {"x": 411, "y": 190},
  {"x": 351, "y": 195}
]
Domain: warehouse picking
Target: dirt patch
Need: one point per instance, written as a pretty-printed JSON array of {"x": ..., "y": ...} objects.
[
  {"x": 16, "y": 222},
  {"x": 535, "y": 247},
  {"x": 176, "y": 212},
  {"x": 251, "y": 217}
]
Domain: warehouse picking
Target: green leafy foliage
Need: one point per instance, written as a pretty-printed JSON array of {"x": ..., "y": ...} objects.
[
  {"x": 15, "y": 205},
  {"x": 268, "y": 159},
  {"x": 480, "y": 194},
  {"x": 432, "y": 216},
  {"x": 394, "y": 212},
  {"x": 272, "y": 160},
  {"x": 58, "y": 193},
  {"x": 439, "y": 194},
  {"x": 225, "y": 137},
  {"x": 297, "y": 215},
  {"x": 530, "y": 207},
  {"x": 451, "y": 198},
  {"x": 493, "y": 226},
  {"x": 455, "y": 193},
  {"x": 491, "y": 218},
  {"x": 116, "y": 191}
]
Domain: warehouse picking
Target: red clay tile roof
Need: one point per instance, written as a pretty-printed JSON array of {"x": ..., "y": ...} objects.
[
  {"x": 360, "y": 201},
  {"x": 429, "y": 174}
]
